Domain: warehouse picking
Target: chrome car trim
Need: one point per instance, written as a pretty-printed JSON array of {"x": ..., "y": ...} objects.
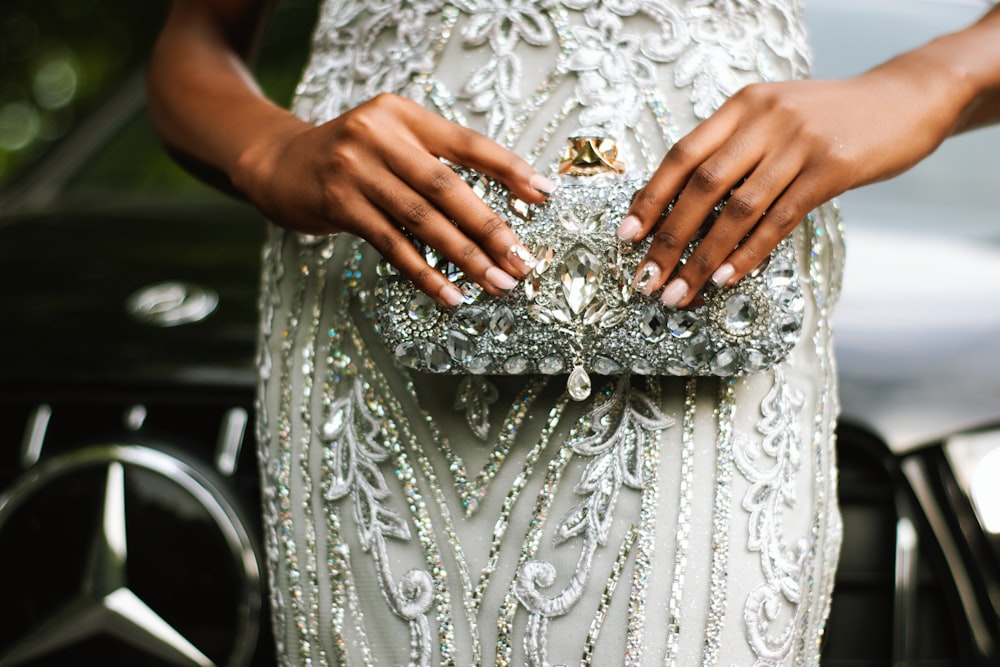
[
  {"x": 172, "y": 304},
  {"x": 905, "y": 602},
  {"x": 34, "y": 435},
  {"x": 231, "y": 434},
  {"x": 135, "y": 417},
  {"x": 918, "y": 479}
]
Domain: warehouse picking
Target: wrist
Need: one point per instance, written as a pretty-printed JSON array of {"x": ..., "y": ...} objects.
[{"x": 255, "y": 166}]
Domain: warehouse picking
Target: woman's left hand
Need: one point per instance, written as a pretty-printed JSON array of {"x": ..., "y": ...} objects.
[{"x": 781, "y": 149}]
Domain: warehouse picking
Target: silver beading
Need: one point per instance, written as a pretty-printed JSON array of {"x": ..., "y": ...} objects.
[{"x": 577, "y": 310}]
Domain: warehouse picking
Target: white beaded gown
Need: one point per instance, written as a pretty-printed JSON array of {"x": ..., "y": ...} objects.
[{"x": 420, "y": 519}]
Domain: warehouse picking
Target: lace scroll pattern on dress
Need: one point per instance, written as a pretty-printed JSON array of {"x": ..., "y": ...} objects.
[{"x": 381, "y": 505}]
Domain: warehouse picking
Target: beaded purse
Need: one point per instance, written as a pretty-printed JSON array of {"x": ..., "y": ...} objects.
[{"x": 576, "y": 312}]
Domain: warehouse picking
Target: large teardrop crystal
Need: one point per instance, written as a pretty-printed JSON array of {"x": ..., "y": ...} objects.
[
  {"x": 581, "y": 274},
  {"x": 578, "y": 385}
]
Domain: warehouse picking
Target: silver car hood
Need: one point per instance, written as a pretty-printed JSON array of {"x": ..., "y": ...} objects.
[{"x": 918, "y": 333}]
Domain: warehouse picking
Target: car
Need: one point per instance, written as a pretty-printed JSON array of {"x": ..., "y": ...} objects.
[
  {"x": 129, "y": 501},
  {"x": 916, "y": 333}
]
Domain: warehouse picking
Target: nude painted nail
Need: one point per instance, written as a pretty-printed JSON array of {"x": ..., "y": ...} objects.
[
  {"x": 722, "y": 275},
  {"x": 524, "y": 255},
  {"x": 500, "y": 278},
  {"x": 647, "y": 274},
  {"x": 674, "y": 293},
  {"x": 451, "y": 295},
  {"x": 629, "y": 228},
  {"x": 542, "y": 184}
]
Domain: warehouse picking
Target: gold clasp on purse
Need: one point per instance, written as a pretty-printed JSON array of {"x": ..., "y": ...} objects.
[{"x": 586, "y": 156}]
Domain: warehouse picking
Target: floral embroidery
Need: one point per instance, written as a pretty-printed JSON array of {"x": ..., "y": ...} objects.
[
  {"x": 525, "y": 73},
  {"x": 354, "y": 454},
  {"x": 712, "y": 48},
  {"x": 771, "y": 466},
  {"x": 614, "y": 435}
]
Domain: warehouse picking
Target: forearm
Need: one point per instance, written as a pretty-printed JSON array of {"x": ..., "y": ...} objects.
[
  {"x": 203, "y": 99},
  {"x": 984, "y": 50},
  {"x": 959, "y": 74}
]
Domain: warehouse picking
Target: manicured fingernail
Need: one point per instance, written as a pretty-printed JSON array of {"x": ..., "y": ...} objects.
[
  {"x": 674, "y": 293},
  {"x": 524, "y": 255},
  {"x": 647, "y": 274},
  {"x": 722, "y": 275},
  {"x": 500, "y": 278},
  {"x": 451, "y": 295},
  {"x": 629, "y": 228},
  {"x": 542, "y": 184}
]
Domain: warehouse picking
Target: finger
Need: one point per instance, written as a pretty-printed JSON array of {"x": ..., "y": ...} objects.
[
  {"x": 375, "y": 227},
  {"x": 439, "y": 187},
  {"x": 695, "y": 208},
  {"x": 780, "y": 220},
  {"x": 410, "y": 209},
  {"x": 673, "y": 173},
  {"x": 743, "y": 212},
  {"x": 467, "y": 147},
  {"x": 485, "y": 155}
]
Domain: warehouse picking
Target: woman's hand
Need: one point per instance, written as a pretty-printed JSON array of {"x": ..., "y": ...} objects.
[
  {"x": 796, "y": 144},
  {"x": 375, "y": 172},
  {"x": 781, "y": 149}
]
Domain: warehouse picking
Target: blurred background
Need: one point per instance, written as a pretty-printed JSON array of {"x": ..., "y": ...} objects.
[
  {"x": 128, "y": 325},
  {"x": 60, "y": 60}
]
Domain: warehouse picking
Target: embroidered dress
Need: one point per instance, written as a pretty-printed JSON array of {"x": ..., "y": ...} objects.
[{"x": 422, "y": 519}]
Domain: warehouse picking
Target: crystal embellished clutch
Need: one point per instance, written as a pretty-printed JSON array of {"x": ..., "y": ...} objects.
[{"x": 576, "y": 312}]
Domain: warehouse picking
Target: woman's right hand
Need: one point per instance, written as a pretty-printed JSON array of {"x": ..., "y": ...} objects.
[{"x": 375, "y": 172}]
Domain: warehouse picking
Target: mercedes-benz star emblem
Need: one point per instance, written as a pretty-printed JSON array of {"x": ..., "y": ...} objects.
[{"x": 113, "y": 599}]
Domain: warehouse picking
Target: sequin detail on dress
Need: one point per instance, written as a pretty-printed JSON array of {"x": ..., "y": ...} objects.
[{"x": 478, "y": 520}]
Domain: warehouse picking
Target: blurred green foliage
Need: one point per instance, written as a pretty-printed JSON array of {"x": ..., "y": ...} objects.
[{"x": 59, "y": 59}]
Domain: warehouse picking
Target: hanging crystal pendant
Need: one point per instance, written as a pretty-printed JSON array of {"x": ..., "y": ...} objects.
[{"x": 578, "y": 385}]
